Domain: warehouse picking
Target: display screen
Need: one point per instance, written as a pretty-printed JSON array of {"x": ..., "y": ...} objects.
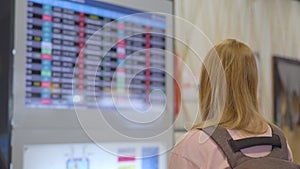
[
  {"x": 91, "y": 156},
  {"x": 79, "y": 51}
]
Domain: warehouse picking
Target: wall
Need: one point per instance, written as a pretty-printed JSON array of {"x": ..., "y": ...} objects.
[{"x": 269, "y": 27}]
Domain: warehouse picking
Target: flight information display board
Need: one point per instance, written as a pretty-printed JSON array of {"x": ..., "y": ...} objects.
[{"x": 79, "y": 51}]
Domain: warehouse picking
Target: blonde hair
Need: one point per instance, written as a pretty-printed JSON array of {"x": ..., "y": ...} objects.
[{"x": 237, "y": 106}]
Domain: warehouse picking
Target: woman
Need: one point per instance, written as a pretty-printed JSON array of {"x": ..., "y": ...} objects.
[{"x": 228, "y": 98}]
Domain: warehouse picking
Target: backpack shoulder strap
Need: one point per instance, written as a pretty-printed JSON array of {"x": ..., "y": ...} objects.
[
  {"x": 282, "y": 151},
  {"x": 222, "y": 138}
]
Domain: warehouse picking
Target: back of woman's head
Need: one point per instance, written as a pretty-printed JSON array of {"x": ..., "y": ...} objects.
[{"x": 228, "y": 95}]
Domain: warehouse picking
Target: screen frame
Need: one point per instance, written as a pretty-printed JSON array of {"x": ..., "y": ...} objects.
[{"x": 60, "y": 126}]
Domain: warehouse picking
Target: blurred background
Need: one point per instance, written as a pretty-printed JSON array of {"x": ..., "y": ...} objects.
[
  {"x": 48, "y": 120},
  {"x": 270, "y": 28}
]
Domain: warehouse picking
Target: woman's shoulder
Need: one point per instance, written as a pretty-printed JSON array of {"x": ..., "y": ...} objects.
[
  {"x": 198, "y": 148},
  {"x": 189, "y": 137},
  {"x": 194, "y": 141}
]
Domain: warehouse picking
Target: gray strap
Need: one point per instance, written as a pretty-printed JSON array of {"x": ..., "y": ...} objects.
[
  {"x": 222, "y": 138},
  {"x": 279, "y": 152}
]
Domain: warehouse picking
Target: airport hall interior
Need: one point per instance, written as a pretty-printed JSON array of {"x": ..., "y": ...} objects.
[{"x": 149, "y": 84}]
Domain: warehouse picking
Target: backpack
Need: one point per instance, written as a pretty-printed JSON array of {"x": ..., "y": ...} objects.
[{"x": 277, "y": 159}]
